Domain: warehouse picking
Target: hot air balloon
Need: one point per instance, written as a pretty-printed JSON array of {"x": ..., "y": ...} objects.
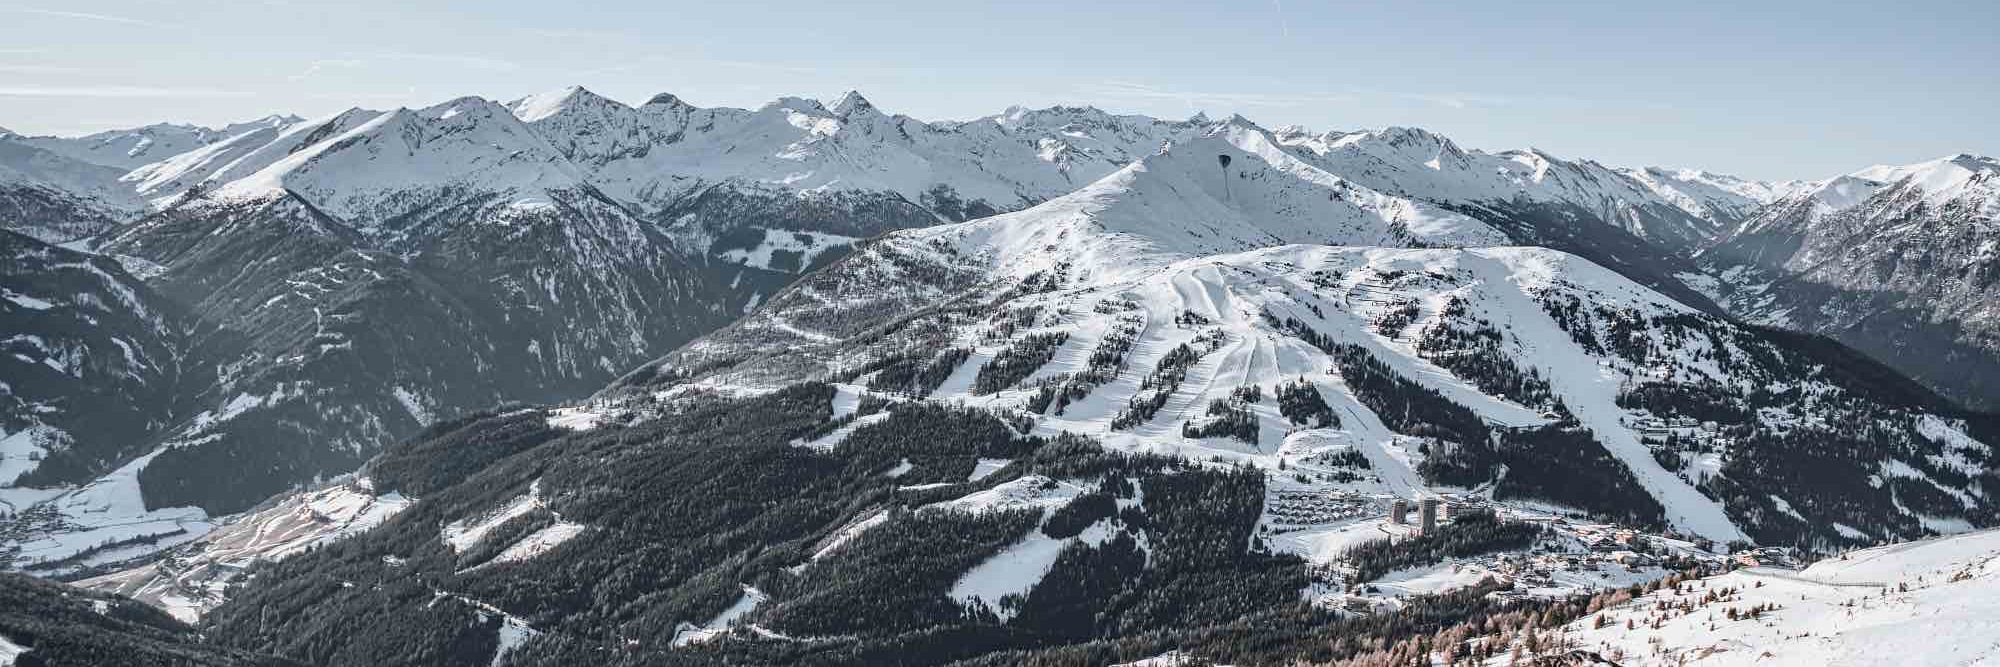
[{"x": 1223, "y": 159}]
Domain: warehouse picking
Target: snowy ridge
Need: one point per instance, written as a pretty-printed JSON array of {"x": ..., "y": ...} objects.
[
  {"x": 237, "y": 157},
  {"x": 1186, "y": 201},
  {"x": 363, "y": 175},
  {"x": 1891, "y": 260},
  {"x": 664, "y": 155},
  {"x": 1416, "y": 163},
  {"x": 132, "y": 148},
  {"x": 1935, "y": 182},
  {"x": 661, "y": 151},
  {"x": 1718, "y": 198}
]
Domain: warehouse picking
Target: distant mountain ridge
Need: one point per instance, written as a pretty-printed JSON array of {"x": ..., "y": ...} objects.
[{"x": 1897, "y": 261}]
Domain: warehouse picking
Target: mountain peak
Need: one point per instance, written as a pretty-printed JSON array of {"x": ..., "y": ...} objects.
[
  {"x": 462, "y": 106},
  {"x": 852, "y": 103},
  {"x": 1939, "y": 180},
  {"x": 1291, "y": 130},
  {"x": 543, "y": 105},
  {"x": 1972, "y": 162},
  {"x": 1018, "y": 116},
  {"x": 1402, "y": 134},
  {"x": 799, "y": 104},
  {"x": 668, "y": 100},
  {"x": 1237, "y": 120}
]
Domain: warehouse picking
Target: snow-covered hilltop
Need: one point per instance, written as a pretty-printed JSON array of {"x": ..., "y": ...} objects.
[
  {"x": 1233, "y": 266},
  {"x": 1920, "y": 603}
]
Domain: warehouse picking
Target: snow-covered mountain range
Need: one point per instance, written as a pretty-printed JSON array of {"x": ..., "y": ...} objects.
[
  {"x": 1308, "y": 349},
  {"x": 1071, "y": 310},
  {"x": 1897, "y": 261},
  {"x": 415, "y": 263}
]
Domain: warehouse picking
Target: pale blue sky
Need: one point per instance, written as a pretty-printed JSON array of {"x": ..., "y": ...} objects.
[{"x": 1764, "y": 89}]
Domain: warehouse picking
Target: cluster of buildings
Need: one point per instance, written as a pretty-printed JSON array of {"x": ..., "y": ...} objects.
[{"x": 1287, "y": 511}]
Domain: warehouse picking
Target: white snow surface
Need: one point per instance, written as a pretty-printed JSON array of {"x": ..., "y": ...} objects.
[
  {"x": 576, "y": 418},
  {"x": 1432, "y": 580},
  {"x": 1016, "y": 569},
  {"x": 689, "y": 633},
  {"x": 1034, "y": 492},
  {"x": 513, "y": 633},
  {"x": 108, "y": 509},
  {"x": 462, "y": 534},
  {"x": 1919, "y": 603},
  {"x": 539, "y": 542},
  {"x": 806, "y": 245},
  {"x": 985, "y": 467},
  {"x": 847, "y": 534}
]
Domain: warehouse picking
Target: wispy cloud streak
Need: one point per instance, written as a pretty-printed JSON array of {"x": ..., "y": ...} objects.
[
  {"x": 89, "y": 16},
  {"x": 115, "y": 92},
  {"x": 324, "y": 64},
  {"x": 459, "y": 59}
]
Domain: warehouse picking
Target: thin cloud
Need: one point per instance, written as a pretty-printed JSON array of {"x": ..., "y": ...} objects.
[
  {"x": 350, "y": 98},
  {"x": 115, "y": 92},
  {"x": 459, "y": 59},
  {"x": 43, "y": 69},
  {"x": 88, "y": 16},
  {"x": 697, "y": 60},
  {"x": 576, "y": 34},
  {"x": 318, "y": 66},
  {"x": 1129, "y": 90},
  {"x": 765, "y": 66}
]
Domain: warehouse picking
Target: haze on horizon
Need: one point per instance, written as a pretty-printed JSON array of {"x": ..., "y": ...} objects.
[{"x": 1783, "y": 90}]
